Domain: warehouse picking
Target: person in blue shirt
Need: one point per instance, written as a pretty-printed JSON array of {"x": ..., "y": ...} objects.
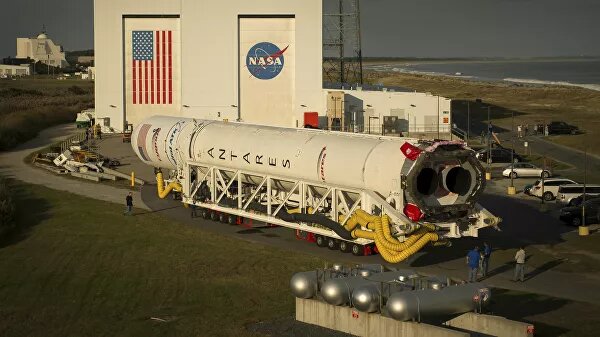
[
  {"x": 485, "y": 258},
  {"x": 473, "y": 263}
]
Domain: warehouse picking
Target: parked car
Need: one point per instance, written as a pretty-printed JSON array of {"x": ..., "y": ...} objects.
[
  {"x": 548, "y": 189},
  {"x": 499, "y": 155},
  {"x": 562, "y": 128},
  {"x": 566, "y": 193},
  {"x": 525, "y": 170},
  {"x": 574, "y": 214},
  {"x": 577, "y": 201}
]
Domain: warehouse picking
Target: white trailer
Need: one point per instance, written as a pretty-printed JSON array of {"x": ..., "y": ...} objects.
[{"x": 338, "y": 189}]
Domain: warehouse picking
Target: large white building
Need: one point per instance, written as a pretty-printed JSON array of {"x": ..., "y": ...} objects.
[
  {"x": 43, "y": 49},
  {"x": 254, "y": 61}
]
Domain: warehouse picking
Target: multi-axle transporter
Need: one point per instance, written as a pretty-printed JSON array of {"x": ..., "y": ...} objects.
[{"x": 352, "y": 192}]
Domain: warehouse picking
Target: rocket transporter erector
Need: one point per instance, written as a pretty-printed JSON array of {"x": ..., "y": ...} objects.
[{"x": 355, "y": 192}]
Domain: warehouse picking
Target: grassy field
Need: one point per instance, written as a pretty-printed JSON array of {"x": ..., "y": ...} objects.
[
  {"x": 27, "y": 106},
  {"x": 81, "y": 268},
  {"x": 531, "y": 104}
]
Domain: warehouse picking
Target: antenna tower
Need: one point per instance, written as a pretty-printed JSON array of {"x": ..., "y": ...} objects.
[{"x": 342, "y": 54}]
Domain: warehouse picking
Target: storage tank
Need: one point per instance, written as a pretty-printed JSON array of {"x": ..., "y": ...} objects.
[
  {"x": 442, "y": 179},
  {"x": 450, "y": 300}
]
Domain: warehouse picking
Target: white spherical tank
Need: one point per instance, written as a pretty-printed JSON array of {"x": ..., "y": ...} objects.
[{"x": 345, "y": 159}]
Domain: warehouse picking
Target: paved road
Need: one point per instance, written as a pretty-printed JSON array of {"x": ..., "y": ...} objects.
[
  {"x": 523, "y": 224},
  {"x": 12, "y": 165},
  {"x": 541, "y": 146}
]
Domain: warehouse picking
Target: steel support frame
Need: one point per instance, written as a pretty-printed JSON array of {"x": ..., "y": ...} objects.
[{"x": 344, "y": 201}]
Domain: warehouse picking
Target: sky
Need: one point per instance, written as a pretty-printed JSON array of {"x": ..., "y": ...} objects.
[{"x": 400, "y": 28}]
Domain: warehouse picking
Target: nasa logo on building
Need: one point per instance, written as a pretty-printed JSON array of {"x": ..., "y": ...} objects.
[{"x": 265, "y": 60}]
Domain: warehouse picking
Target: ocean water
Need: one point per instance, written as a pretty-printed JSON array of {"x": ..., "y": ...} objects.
[{"x": 584, "y": 72}]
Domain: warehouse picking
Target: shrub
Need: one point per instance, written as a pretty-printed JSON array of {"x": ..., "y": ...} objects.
[
  {"x": 75, "y": 90},
  {"x": 7, "y": 209}
]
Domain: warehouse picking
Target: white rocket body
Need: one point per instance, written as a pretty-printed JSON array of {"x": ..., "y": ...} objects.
[{"x": 330, "y": 158}]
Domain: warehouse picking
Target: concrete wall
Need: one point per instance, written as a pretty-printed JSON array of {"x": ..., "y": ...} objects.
[
  {"x": 358, "y": 323},
  {"x": 209, "y": 56},
  {"x": 491, "y": 325},
  {"x": 417, "y": 112}
]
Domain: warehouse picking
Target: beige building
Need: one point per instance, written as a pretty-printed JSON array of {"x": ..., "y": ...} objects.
[
  {"x": 9, "y": 70},
  {"x": 43, "y": 49}
]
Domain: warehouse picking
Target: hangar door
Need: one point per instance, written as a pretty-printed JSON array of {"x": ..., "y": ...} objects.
[
  {"x": 267, "y": 70},
  {"x": 152, "y": 67}
]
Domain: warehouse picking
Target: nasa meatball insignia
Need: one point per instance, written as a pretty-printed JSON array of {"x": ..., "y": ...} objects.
[{"x": 265, "y": 60}]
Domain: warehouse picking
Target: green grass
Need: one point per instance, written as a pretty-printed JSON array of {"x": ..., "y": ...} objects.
[{"x": 81, "y": 268}]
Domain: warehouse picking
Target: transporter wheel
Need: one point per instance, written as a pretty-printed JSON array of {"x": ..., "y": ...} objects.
[
  {"x": 576, "y": 222},
  {"x": 204, "y": 213},
  {"x": 223, "y": 217},
  {"x": 231, "y": 219},
  {"x": 345, "y": 246},
  {"x": 358, "y": 250},
  {"x": 320, "y": 240},
  {"x": 548, "y": 196},
  {"x": 332, "y": 244},
  {"x": 214, "y": 216}
]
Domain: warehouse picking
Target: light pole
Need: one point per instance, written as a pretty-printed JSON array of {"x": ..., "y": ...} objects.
[
  {"x": 468, "y": 119},
  {"x": 438, "y": 117},
  {"x": 371, "y": 117},
  {"x": 488, "y": 174},
  {"x": 511, "y": 188}
]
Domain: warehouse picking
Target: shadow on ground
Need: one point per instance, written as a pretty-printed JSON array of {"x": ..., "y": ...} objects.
[
  {"x": 522, "y": 224},
  {"x": 29, "y": 212}
]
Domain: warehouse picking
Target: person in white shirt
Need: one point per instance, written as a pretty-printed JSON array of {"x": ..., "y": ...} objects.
[{"x": 520, "y": 265}]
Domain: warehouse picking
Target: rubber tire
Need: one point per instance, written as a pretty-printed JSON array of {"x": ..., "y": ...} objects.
[
  {"x": 320, "y": 241},
  {"x": 332, "y": 244},
  {"x": 345, "y": 246},
  {"x": 231, "y": 219},
  {"x": 545, "y": 174},
  {"x": 548, "y": 196},
  {"x": 358, "y": 250},
  {"x": 514, "y": 175},
  {"x": 576, "y": 222},
  {"x": 214, "y": 216},
  {"x": 223, "y": 217},
  {"x": 205, "y": 213}
]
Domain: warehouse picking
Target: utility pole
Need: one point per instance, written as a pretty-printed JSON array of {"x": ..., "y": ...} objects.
[{"x": 438, "y": 117}]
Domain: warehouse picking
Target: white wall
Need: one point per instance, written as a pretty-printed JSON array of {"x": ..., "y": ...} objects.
[
  {"x": 11, "y": 70},
  {"x": 209, "y": 55},
  {"x": 421, "y": 117}
]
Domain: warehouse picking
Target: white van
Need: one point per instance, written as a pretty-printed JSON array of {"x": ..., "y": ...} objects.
[
  {"x": 566, "y": 193},
  {"x": 550, "y": 187}
]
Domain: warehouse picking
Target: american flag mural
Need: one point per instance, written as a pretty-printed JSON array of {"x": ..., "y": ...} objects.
[{"x": 152, "y": 67}]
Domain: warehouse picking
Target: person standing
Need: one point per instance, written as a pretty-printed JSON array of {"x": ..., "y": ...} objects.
[
  {"x": 526, "y": 129},
  {"x": 520, "y": 265},
  {"x": 485, "y": 259},
  {"x": 473, "y": 263},
  {"x": 128, "y": 203}
]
